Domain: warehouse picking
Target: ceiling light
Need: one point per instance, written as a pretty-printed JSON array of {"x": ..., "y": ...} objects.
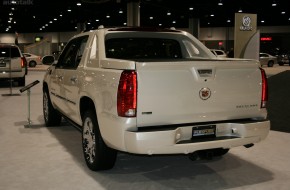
[
  {"x": 50, "y": 22},
  {"x": 55, "y": 19},
  {"x": 220, "y": 3},
  {"x": 108, "y": 16},
  {"x": 69, "y": 10},
  {"x": 168, "y": 13},
  {"x": 190, "y": 8},
  {"x": 125, "y": 23},
  {"x": 97, "y": 20},
  {"x": 240, "y": 10},
  {"x": 262, "y": 21},
  {"x": 274, "y": 4},
  {"x": 79, "y": 4},
  {"x": 174, "y": 22},
  {"x": 60, "y": 15},
  {"x": 121, "y": 11},
  {"x": 160, "y": 24},
  {"x": 228, "y": 20},
  {"x": 283, "y": 12},
  {"x": 151, "y": 18},
  {"x": 212, "y": 15}
]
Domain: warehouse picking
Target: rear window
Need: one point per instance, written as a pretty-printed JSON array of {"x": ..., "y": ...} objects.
[
  {"x": 143, "y": 48},
  {"x": 9, "y": 52},
  {"x": 219, "y": 53}
]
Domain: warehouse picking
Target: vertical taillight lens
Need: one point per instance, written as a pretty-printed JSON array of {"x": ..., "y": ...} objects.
[
  {"x": 264, "y": 89},
  {"x": 127, "y": 94},
  {"x": 22, "y": 62}
]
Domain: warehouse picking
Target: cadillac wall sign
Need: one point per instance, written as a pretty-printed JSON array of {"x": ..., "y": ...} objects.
[
  {"x": 246, "y": 24},
  {"x": 204, "y": 93}
]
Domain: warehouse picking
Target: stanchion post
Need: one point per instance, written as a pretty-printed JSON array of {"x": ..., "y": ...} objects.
[
  {"x": 28, "y": 118},
  {"x": 27, "y": 88}
]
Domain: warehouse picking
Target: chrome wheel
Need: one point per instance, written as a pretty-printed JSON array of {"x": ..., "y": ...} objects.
[
  {"x": 45, "y": 106},
  {"x": 50, "y": 115},
  {"x": 97, "y": 154},
  {"x": 89, "y": 140}
]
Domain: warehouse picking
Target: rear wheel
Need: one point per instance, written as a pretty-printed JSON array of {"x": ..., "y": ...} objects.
[
  {"x": 51, "y": 116},
  {"x": 21, "y": 81},
  {"x": 208, "y": 154},
  {"x": 32, "y": 64},
  {"x": 97, "y": 154}
]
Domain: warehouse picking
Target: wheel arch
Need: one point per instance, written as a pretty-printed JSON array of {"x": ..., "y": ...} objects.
[{"x": 86, "y": 103}]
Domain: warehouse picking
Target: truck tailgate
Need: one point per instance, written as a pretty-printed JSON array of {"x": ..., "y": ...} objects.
[{"x": 178, "y": 92}]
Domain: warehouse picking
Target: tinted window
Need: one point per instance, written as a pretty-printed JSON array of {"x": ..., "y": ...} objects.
[
  {"x": 143, "y": 48},
  {"x": 72, "y": 54},
  {"x": 6, "y": 52}
]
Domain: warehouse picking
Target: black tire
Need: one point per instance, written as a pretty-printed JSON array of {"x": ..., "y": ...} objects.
[
  {"x": 32, "y": 64},
  {"x": 220, "y": 151},
  {"x": 270, "y": 64},
  {"x": 21, "y": 81},
  {"x": 97, "y": 154},
  {"x": 51, "y": 116},
  {"x": 207, "y": 154}
]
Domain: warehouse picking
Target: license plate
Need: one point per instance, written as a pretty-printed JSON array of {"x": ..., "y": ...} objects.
[{"x": 204, "y": 131}]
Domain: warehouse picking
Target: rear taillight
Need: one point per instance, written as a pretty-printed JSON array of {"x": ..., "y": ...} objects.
[
  {"x": 264, "y": 89},
  {"x": 22, "y": 62},
  {"x": 127, "y": 94}
]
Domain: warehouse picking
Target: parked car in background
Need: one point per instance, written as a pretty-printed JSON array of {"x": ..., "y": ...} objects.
[
  {"x": 12, "y": 64},
  {"x": 267, "y": 59},
  {"x": 283, "y": 59},
  {"x": 219, "y": 53},
  {"x": 32, "y": 59}
]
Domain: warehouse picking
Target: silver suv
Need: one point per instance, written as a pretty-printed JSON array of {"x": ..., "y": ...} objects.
[{"x": 12, "y": 64}]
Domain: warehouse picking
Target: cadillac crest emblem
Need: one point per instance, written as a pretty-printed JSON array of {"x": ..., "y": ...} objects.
[{"x": 204, "y": 93}]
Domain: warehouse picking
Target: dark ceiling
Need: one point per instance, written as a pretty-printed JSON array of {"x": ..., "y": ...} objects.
[{"x": 33, "y": 16}]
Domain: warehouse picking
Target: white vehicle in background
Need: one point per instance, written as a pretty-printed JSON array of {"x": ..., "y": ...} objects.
[
  {"x": 219, "y": 53},
  {"x": 267, "y": 59},
  {"x": 12, "y": 64},
  {"x": 32, "y": 59}
]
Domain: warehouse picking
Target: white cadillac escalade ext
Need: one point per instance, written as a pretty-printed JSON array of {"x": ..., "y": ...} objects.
[{"x": 154, "y": 91}]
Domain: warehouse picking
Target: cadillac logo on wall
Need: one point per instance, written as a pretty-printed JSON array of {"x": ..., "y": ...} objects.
[
  {"x": 204, "y": 93},
  {"x": 246, "y": 24}
]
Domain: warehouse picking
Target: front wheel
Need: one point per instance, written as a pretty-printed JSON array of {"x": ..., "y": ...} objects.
[
  {"x": 270, "y": 64},
  {"x": 97, "y": 154},
  {"x": 51, "y": 116}
]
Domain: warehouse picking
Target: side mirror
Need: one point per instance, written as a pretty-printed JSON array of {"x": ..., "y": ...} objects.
[{"x": 47, "y": 60}]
